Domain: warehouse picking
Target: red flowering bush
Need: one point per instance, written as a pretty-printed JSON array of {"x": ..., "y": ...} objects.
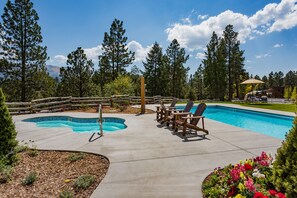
[{"x": 249, "y": 179}]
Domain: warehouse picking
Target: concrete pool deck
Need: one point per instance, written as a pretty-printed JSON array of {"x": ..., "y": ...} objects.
[{"x": 149, "y": 160}]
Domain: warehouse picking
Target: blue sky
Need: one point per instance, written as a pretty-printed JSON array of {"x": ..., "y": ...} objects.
[{"x": 267, "y": 29}]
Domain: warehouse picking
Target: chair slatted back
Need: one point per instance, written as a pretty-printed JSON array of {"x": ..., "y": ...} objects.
[
  {"x": 189, "y": 106},
  {"x": 199, "y": 111},
  {"x": 173, "y": 103}
]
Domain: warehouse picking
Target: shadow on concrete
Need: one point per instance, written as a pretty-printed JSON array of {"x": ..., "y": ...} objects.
[
  {"x": 194, "y": 136},
  {"x": 92, "y": 139}
]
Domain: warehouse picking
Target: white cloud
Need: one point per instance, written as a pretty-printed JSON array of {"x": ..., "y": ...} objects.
[
  {"x": 60, "y": 59},
  {"x": 262, "y": 56},
  {"x": 140, "y": 52},
  {"x": 196, "y": 36},
  {"x": 202, "y": 17},
  {"x": 273, "y": 17},
  {"x": 200, "y": 56},
  {"x": 278, "y": 45},
  {"x": 186, "y": 20},
  {"x": 249, "y": 61},
  {"x": 93, "y": 52}
]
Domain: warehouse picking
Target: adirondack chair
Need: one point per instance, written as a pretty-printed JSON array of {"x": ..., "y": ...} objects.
[{"x": 191, "y": 121}]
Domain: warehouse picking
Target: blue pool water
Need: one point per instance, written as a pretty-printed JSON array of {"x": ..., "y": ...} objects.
[
  {"x": 269, "y": 124},
  {"x": 79, "y": 125}
]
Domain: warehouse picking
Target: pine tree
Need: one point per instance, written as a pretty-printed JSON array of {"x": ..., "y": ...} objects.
[
  {"x": 285, "y": 164},
  {"x": 234, "y": 58},
  {"x": 152, "y": 70},
  {"x": 116, "y": 56},
  {"x": 21, "y": 40},
  {"x": 198, "y": 83},
  {"x": 165, "y": 77},
  {"x": 76, "y": 79},
  {"x": 7, "y": 133},
  {"x": 215, "y": 68},
  {"x": 178, "y": 72},
  {"x": 293, "y": 94}
]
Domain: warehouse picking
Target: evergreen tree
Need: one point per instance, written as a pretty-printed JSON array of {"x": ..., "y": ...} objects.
[
  {"x": 291, "y": 79},
  {"x": 215, "y": 68},
  {"x": 152, "y": 70},
  {"x": 234, "y": 58},
  {"x": 76, "y": 79},
  {"x": 293, "y": 94},
  {"x": 116, "y": 56},
  {"x": 285, "y": 164},
  {"x": 178, "y": 72},
  {"x": 165, "y": 77},
  {"x": 238, "y": 70},
  {"x": 21, "y": 40},
  {"x": 7, "y": 133},
  {"x": 198, "y": 83},
  {"x": 135, "y": 74}
]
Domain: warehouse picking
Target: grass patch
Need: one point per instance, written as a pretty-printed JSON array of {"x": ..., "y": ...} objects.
[
  {"x": 279, "y": 107},
  {"x": 66, "y": 194},
  {"x": 76, "y": 156},
  {"x": 30, "y": 179},
  {"x": 84, "y": 182}
]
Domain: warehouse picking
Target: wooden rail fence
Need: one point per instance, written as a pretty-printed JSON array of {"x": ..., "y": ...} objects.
[{"x": 56, "y": 104}]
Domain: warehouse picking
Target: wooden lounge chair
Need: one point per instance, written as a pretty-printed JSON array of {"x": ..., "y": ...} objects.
[
  {"x": 176, "y": 114},
  {"x": 159, "y": 108},
  {"x": 193, "y": 121}
]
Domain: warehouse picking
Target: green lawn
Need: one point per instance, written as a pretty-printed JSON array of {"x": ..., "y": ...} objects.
[{"x": 279, "y": 107}]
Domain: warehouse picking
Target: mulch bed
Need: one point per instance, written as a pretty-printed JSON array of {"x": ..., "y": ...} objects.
[{"x": 55, "y": 172}]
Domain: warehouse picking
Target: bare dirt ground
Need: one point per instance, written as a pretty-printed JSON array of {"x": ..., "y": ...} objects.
[{"x": 55, "y": 173}]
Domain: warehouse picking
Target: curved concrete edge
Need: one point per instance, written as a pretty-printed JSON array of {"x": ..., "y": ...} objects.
[{"x": 147, "y": 159}]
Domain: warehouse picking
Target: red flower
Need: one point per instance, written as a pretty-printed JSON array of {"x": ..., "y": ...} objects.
[
  {"x": 232, "y": 191},
  {"x": 272, "y": 192},
  {"x": 248, "y": 167},
  {"x": 259, "y": 195},
  {"x": 280, "y": 195}
]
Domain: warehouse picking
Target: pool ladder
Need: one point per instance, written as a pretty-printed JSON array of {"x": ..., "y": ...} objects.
[{"x": 100, "y": 119}]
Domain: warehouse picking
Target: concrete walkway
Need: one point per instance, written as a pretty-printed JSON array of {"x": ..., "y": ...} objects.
[{"x": 148, "y": 159}]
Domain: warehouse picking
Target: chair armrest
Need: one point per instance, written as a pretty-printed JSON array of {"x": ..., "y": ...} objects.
[
  {"x": 172, "y": 108},
  {"x": 181, "y": 113},
  {"x": 192, "y": 117}
]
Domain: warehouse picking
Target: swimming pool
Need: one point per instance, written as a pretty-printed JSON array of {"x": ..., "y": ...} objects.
[
  {"x": 269, "y": 124},
  {"x": 79, "y": 125}
]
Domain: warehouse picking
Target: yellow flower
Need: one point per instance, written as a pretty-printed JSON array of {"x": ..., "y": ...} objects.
[
  {"x": 242, "y": 175},
  {"x": 67, "y": 180},
  {"x": 240, "y": 162},
  {"x": 241, "y": 186},
  {"x": 239, "y": 196}
]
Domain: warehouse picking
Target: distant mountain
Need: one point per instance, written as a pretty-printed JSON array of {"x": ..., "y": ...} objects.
[{"x": 54, "y": 71}]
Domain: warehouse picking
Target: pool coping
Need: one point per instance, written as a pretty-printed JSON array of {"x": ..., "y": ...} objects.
[{"x": 147, "y": 159}]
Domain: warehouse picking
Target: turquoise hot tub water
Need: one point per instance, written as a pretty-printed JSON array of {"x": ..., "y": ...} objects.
[
  {"x": 79, "y": 125},
  {"x": 266, "y": 123}
]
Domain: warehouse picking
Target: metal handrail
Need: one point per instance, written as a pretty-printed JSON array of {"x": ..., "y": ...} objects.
[{"x": 100, "y": 119}]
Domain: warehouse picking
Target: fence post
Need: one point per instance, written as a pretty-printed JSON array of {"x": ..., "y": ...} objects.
[{"x": 142, "y": 95}]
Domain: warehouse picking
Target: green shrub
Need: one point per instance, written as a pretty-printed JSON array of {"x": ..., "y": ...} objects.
[
  {"x": 8, "y": 133},
  {"x": 21, "y": 148},
  {"x": 30, "y": 178},
  {"x": 285, "y": 165},
  {"x": 122, "y": 85},
  {"x": 65, "y": 193},
  {"x": 76, "y": 156},
  {"x": 5, "y": 173},
  {"x": 83, "y": 182},
  {"x": 32, "y": 151}
]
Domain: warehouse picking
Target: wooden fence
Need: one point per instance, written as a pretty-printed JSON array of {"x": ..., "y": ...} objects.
[{"x": 56, "y": 104}]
